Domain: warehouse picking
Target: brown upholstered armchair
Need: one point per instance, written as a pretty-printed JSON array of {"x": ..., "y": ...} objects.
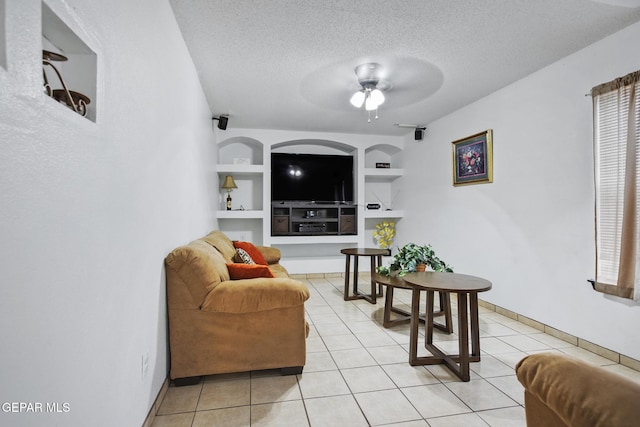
[{"x": 561, "y": 391}]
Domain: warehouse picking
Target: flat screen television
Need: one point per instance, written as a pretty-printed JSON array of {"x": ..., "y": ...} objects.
[{"x": 319, "y": 178}]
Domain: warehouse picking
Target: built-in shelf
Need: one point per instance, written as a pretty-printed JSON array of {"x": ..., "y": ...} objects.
[
  {"x": 389, "y": 173},
  {"x": 240, "y": 169},
  {"x": 239, "y": 214},
  {"x": 376, "y": 213},
  {"x": 302, "y": 240}
]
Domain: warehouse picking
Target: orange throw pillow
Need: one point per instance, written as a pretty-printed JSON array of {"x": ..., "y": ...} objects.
[
  {"x": 248, "y": 271},
  {"x": 253, "y": 252}
]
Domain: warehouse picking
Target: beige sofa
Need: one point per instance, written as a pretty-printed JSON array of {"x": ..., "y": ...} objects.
[
  {"x": 561, "y": 391},
  {"x": 218, "y": 325}
]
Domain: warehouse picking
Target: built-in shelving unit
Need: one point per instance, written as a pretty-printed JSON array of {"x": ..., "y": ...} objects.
[
  {"x": 310, "y": 236},
  {"x": 312, "y": 219}
]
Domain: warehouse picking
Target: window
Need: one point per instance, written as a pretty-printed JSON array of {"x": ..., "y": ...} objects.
[{"x": 616, "y": 107}]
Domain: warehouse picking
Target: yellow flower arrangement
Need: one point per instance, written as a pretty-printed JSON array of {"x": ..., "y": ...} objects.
[{"x": 384, "y": 233}]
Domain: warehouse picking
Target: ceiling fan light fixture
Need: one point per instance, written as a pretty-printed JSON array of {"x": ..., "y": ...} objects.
[
  {"x": 368, "y": 77},
  {"x": 377, "y": 96},
  {"x": 357, "y": 99}
]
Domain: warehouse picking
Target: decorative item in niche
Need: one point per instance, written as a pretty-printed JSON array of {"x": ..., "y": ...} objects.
[
  {"x": 241, "y": 161},
  {"x": 229, "y": 184},
  {"x": 383, "y": 165},
  {"x": 473, "y": 159},
  {"x": 74, "y": 100},
  {"x": 384, "y": 234}
]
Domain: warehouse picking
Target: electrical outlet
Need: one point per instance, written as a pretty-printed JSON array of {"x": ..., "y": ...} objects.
[{"x": 145, "y": 364}]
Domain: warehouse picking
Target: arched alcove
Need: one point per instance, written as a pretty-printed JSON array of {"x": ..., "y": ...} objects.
[{"x": 240, "y": 150}]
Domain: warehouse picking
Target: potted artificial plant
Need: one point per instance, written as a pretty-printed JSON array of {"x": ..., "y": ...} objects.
[{"x": 412, "y": 257}]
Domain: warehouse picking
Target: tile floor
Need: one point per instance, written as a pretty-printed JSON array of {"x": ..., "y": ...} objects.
[{"x": 357, "y": 374}]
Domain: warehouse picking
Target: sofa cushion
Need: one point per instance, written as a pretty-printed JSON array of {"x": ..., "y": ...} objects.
[
  {"x": 252, "y": 250},
  {"x": 270, "y": 254},
  {"x": 244, "y": 256},
  {"x": 248, "y": 271},
  {"x": 222, "y": 243},
  {"x": 251, "y": 295},
  {"x": 199, "y": 266}
]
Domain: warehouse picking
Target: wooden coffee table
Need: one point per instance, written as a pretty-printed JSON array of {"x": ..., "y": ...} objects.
[
  {"x": 375, "y": 255},
  {"x": 394, "y": 281},
  {"x": 466, "y": 287}
]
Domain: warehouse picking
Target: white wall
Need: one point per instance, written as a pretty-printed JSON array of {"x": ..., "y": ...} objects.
[
  {"x": 89, "y": 211},
  {"x": 531, "y": 232}
]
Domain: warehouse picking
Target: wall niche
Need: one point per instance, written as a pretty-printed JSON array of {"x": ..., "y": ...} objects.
[{"x": 69, "y": 66}]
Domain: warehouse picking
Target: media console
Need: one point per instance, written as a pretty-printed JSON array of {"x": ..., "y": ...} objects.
[{"x": 312, "y": 219}]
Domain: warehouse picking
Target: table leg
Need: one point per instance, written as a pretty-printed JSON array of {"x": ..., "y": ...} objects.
[
  {"x": 475, "y": 325},
  {"x": 415, "y": 321},
  {"x": 379, "y": 263},
  {"x": 374, "y": 285},
  {"x": 346, "y": 277},
  {"x": 463, "y": 337},
  {"x": 428, "y": 329},
  {"x": 355, "y": 274}
]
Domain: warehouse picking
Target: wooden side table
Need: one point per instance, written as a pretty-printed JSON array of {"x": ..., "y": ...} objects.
[
  {"x": 375, "y": 256},
  {"x": 394, "y": 281},
  {"x": 466, "y": 288}
]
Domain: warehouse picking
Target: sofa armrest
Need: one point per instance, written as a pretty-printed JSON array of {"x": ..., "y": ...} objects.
[
  {"x": 271, "y": 255},
  {"x": 579, "y": 394},
  {"x": 251, "y": 295}
]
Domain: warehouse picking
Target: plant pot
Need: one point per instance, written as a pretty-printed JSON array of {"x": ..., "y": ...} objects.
[{"x": 421, "y": 267}]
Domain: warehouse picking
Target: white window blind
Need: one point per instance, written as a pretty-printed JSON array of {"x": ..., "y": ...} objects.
[{"x": 615, "y": 159}]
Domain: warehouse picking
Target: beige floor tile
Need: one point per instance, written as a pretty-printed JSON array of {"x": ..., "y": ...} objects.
[
  {"x": 335, "y": 411},
  {"x": 274, "y": 389},
  {"x": 510, "y": 386},
  {"x": 386, "y": 407},
  {"x": 481, "y": 395},
  {"x": 227, "y": 417},
  {"x": 364, "y": 327},
  {"x": 435, "y": 401},
  {"x": 496, "y": 330},
  {"x": 224, "y": 394},
  {"x": 326, "y": 329},
  {"x": 371, "y": 378},
  {"x": 405, "y": 375},
  {"x": 550, "y": 340},
  {"x": 490, "y": 366},
  {"x": 319, "y": 361},
  {"x": 341, "y": 342},
  {"x": 281, "y": 414},
  {"x": 375, "y": 339},
  {"x": 505, "y": 417},
  {"x": 463, "y": 420},
  {"x": 321, "y": 384},
  {"x": 389, "y": 354},
  {"x": 626, "y": 372},
  {"x": 174, "y": 420},
  {"x": 525, "y": 343},
  {"x": 586, "y": 356},
  {"x": 492, "y": 345},
  {"x": 315, "y": 344},
  {"x": 180, "y": 399},
  {"x": 356, "y": 358}
]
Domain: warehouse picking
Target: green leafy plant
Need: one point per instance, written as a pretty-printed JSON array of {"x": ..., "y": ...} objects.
[{"x": 410, "y": 256}]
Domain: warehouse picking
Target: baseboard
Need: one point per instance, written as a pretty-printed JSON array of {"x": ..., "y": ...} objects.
[
  {"x": 151, "y": 416},
  {"x": 571, "y": 339}
]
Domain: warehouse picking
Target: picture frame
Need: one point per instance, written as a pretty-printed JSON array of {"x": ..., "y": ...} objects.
[{"x": 473, "y": 159}]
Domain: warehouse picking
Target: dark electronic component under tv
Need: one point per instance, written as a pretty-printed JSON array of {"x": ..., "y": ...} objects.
[{"x": 318, "y": 178}]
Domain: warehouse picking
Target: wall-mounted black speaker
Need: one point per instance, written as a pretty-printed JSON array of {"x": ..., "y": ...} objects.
[
  {"x": 419, "y": 134},
  {"x": 222, "y": 122}
]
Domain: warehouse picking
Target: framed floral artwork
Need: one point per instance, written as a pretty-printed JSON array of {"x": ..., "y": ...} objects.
[{"x": 473, "y": 159}]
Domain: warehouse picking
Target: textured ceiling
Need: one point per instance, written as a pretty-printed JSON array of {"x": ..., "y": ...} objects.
[{"x": 289, "y": 64}]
